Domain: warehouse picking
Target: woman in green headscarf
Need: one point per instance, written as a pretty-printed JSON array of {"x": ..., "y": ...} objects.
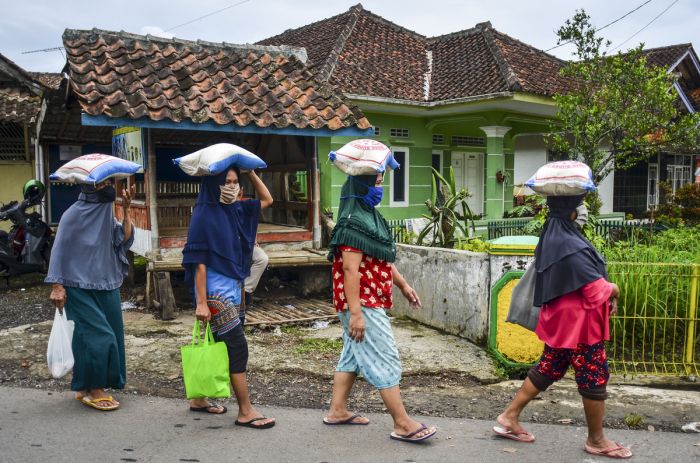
[{"x": 362, "y": 251}]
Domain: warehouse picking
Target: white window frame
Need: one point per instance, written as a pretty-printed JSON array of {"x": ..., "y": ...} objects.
[
  {"x": 654, "y": 194},
  {"x": 406, "y": 169}
]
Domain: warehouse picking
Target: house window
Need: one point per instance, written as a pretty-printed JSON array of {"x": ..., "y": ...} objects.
[
  {"x": 376, "y": 132},
  {"x": 463, "y": 140},
  {"x": 438, "y": 139},
  {"x": 12, "y": 142},
  {"x": 398, "y": 133},
  {"x": 399, "y": 179},
  {"x": 653, "y": 186},
  {"x": 677, "y": 176},
  {"x": 437, "y": 161}
]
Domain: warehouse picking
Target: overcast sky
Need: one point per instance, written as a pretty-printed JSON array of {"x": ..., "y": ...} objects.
[{"x": 36, "y": 24}]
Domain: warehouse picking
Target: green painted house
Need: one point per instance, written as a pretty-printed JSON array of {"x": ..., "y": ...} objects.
[
  {"x": 464, "y": 100},
  {"x": 477, "y": 100}
]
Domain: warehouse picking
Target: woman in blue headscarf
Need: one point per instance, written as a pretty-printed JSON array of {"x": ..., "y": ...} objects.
[
  {"x": 217, "y": 259},
  {"x": 88, "y": 265}
]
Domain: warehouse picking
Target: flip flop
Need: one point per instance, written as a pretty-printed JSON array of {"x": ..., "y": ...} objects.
[
  {"x": 409, "y": 437},
  {"x": 249, "y": 424},
  {"x": 208, "y": 407},
  {"x": 608, "y": 452},
  {"x": 94, "y": 403},
  {"x": 520, "y": 436},
  {"x": 347, "y": 421}
]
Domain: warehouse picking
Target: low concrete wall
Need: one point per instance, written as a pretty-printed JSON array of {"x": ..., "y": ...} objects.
[
  {"x": 502, "y": 264},
  {"x": 453, "y": 286}
]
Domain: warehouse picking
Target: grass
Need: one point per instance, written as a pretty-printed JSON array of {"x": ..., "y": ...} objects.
[
  {"x": 319, "y": 346},
  {"x": 634, "y": 420}
]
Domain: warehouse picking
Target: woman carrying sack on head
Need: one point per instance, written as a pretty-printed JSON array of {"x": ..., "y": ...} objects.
[
  {"x": 362, "y": 250},
  {"x": 217, "y": 259},
  {"x": 88, "y": 265},
  {"x": 577, "y": 300}
]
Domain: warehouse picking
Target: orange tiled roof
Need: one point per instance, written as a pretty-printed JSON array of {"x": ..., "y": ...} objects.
[{"x": 124, "y": 75}]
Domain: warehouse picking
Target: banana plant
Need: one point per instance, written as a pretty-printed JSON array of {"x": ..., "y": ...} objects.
[{"x": 449, "y": 212}]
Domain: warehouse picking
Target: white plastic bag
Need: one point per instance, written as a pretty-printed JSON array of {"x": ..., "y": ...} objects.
[{"x": 59, "y": 354}]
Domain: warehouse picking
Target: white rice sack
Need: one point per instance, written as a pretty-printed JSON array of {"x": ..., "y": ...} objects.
[
  {"x": 562, "y": 178},
  {"x": 215, "y": 159},
  {"x": 363, "y": 157},
  {"x": 95, "y": 168}
]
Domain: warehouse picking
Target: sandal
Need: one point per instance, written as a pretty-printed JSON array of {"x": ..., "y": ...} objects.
[
  {"x": 249, "y": 424},
  {"x": 609, "y": 452},
  {"x": 208, "y": 409},
  {"x": 410, "y": 436},
  {"x": 348, "y": 421},
  {"x": 520, "y": 436},
  {"x": 85, "y": 399}
]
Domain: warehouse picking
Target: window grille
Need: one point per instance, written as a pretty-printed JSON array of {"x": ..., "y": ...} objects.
[
  {"x": 462, "y": 140},
  {"x": 398, "y": 133}
]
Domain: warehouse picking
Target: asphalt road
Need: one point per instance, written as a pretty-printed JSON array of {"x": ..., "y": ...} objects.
[{"x": 40, "y": 426}]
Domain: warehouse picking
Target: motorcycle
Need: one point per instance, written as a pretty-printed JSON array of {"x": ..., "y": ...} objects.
[{"x": 27, "y": 246}]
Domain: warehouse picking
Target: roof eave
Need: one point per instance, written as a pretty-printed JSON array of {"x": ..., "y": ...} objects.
[{"x": 209, "y": 126}]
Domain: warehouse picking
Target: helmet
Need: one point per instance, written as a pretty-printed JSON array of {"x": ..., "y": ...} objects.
[{"x": 34, "y": 191}]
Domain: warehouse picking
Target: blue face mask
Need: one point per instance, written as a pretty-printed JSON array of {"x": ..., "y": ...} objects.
[{"x": 373, "y": 196}]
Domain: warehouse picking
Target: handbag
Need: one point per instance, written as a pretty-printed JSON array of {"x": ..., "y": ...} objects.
[
  {"x": 522, "y": 310},
  {"x": 205, "y": 366}
]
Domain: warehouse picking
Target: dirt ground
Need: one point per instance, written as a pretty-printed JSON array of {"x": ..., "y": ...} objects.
[{"x": 432, "y": 391}]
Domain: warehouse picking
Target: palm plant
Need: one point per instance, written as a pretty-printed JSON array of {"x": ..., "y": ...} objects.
[{"x": 449, "y": 212}]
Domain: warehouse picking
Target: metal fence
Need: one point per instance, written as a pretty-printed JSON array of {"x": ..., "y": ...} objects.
[
  {"x": 656, "y": 329},
  {"x": 610, "y": 229},
  {"x": 398, "y": 230},
  {"x": 506, "y": 227}
]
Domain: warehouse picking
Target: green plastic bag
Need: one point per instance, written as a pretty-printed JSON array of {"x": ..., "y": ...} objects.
[{"x": 205, "y": 366}]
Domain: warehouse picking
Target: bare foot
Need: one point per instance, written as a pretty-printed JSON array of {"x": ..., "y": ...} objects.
[
  {"x": 251, "y": 415},
  {"x": 340, "y": 417}
]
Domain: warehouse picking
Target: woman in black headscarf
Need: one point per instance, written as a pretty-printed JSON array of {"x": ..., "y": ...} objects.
[
  {"x": 217, "y": 258},
  {"x": 577, "y": 300}
]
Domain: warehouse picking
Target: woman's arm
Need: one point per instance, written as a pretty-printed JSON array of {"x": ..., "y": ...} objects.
[
  {"x": 260, "y": 190},
  {"x": 408, "y": 292},
  {"x": 127, "y": 195},
  {"x": 200, "y": 287},
  {"x": 351, "y": 287}
]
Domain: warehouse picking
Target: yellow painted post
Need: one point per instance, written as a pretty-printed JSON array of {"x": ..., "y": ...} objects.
[{"x": 692, "y": 316}]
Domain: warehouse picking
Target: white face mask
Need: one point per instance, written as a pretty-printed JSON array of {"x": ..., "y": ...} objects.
[
  {"x": 581, "y": 216},
  {"x": 229, "y": 193}
]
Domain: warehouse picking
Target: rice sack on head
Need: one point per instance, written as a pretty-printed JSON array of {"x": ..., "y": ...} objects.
[
  {"x": 363, "y": 157},
  {"x": 217, "y": 158},
  {"x": 91, "y": 169},
  {"x": 562, "y": 178}
]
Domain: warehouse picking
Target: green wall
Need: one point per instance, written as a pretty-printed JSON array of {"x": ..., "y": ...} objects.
[
  {"x": 420, "y": 148},
  {"x": 14, "y": 176}
]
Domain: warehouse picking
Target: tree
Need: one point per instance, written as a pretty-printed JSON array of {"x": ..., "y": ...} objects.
[{"x": 620, "y": 110}]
